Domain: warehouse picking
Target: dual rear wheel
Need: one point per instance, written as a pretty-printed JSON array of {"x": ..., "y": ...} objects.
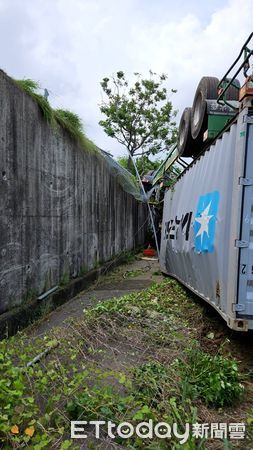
[{"x": 193, "y": 122}]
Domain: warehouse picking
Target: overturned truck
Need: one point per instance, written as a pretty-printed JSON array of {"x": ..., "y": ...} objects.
[{"x": 207, "y": 231}]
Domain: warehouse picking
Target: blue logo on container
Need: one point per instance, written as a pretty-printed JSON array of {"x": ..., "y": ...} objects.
[{"x": 205, "y": 222}]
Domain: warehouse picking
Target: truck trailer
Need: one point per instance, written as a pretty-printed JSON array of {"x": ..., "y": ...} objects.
[{"x": 207, "y": 227}]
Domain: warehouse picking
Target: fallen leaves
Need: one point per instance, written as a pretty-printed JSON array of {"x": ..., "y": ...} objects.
[
  {"x": 14, "y": 429},
  {"x": 29, "y": 431}
]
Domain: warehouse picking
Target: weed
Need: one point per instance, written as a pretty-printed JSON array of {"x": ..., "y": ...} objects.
[
  {"x": 65, "y": 118},
  {"x": 28, "y": 85},
  {"x": 31, "y": 87},
  {"x": 64, "y": 279},
  {"x": 22, "y": 389},
  {"x": 99, "y": 402},
  {"x": 132, "y": 273},
  {"x": 128, "y": 257},
  {"x": 149, "y": 303},
  {"x": 215, "y": 379},
  {"x": 96, "y": 265},
  {"x": 83, "y": 270},
  {"x": 148, "y": 380},
  {"x": 29, "y": 295},
  {"x": 70, "y": 122},
  {"x": 161, "y": 378}
]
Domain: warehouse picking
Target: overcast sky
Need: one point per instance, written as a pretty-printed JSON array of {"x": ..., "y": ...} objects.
[{"x": 70, "y": 45}]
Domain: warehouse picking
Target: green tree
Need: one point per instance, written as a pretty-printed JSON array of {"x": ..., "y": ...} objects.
[
  {"x": 143, "y": 163},
  {"x": 139, "y": 116}
]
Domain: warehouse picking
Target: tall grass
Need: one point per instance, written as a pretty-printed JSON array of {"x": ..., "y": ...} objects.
[
  {"x": 31, "y": 87},
  {"x": 68, "y": 120}
]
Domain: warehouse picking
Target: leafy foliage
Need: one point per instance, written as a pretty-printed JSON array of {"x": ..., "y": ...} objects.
[
  {"x": 22, "y": 391},
  {"x": 215, "y": 379},
  {"x": 100, "y": 402},
  {"x": 149, "y": 380},
  {"x": 76, "y": 381},
  {"x": 143, "y": 163},
  {"x": 139, "y": 116}
]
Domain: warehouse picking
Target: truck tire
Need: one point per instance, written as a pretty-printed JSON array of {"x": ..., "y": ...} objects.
[
  {"x": 185, "y": 140},
  {"x": 207, "y": 89}
]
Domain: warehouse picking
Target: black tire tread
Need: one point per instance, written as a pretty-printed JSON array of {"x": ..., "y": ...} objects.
[
  {"x": 189, "y": 146},
  {"x": 207, "y": 89},
  {"x": 184, "y": 133}
]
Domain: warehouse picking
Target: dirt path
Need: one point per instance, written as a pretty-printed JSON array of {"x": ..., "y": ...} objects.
[{"x": 131, "y": 277}]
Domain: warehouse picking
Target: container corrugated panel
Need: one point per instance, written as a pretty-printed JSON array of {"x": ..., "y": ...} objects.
[
  {"x": 245, "y": 269},
  {"x": 201, "y": 221}
]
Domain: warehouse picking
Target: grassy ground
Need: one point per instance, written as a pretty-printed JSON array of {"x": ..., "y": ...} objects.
[{"x": 158, "y": 354}]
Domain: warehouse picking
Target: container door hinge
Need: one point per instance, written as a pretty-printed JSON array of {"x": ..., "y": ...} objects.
[
  {"x": 245, "y": 181},
  {"x": 237, "y": 307},
  {"x": 241, "y": 244}
]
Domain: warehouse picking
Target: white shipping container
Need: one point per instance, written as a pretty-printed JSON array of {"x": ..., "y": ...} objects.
[{"x": 207, "y": 230}]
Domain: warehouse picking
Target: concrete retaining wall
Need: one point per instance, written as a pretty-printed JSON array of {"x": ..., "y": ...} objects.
[{"x": 62, "y": 210}]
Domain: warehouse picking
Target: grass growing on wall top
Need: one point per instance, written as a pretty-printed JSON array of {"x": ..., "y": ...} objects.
[
  {"x": 31, "y": 87},
  {"x": 73, "y": 124},
  {"x": 68, "y": 120}
]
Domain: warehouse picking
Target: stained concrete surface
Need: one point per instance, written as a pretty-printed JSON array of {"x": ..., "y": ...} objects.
[
  {"x": 63, "y": 210},
  {"x": 128, "y": 278}
]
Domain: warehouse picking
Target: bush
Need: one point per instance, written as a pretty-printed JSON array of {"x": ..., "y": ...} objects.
[{"x": 214, "y": 379}]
